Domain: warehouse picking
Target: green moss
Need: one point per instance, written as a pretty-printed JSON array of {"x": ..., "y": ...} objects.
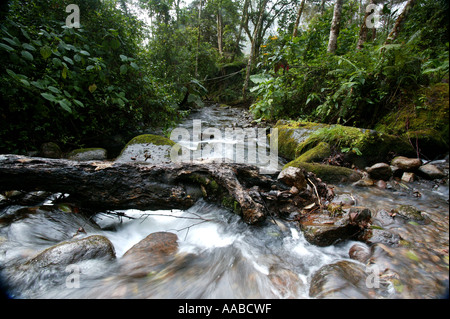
[
  {"x": 230, "y": 203},
  {"x": 422, "y": 117},
  {"x": 151, "y": 139},
  {"x": 316, "y": 154},
  {"x": 83, "y": 150},
  {"x": 328, "y": 173}
]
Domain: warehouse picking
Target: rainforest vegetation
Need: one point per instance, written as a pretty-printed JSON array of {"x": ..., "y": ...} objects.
[{"x": 132, "y": 65}]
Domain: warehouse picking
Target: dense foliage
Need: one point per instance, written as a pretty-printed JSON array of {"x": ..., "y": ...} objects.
[
  {"x": 117, "y": 74},
  {"x": 353, "y": 87}
]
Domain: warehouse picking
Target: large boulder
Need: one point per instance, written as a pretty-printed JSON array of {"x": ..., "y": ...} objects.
[
  {"x": 328, "y": 173},
  {"x": 363, "y": 147},
  {"x": 147, "y": 255},
  {"x": 74, "y": 251},
  {"x": 147, "y": 148}
]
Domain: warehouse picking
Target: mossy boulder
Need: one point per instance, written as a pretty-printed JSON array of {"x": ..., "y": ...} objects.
[
  {"x": 423, "y": 119},
  {"x": 147, "y": 148},
  {"x": 88, "y": 154},
  {"x": 363, "y": 147}
]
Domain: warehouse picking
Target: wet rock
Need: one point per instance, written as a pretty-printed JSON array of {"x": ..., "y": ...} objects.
[
  {"x": 409, "y": 213},
  {"x": 147, "y": 148},
  {"x": 74, "y": 251},
  {"x": 408, "y": 177},
  {"x": 377, "y": 235},
  {"x": 381, "y": 184},
  {"x": 380, "y": 171},
  {"x": 44, "y": 225},
  {"x": 293, "y": 176},
  {"x": 88, "y": 154},
  {"x": 154, "y": 250},
  {"x": 321, "y": 229},
  {"x": 328, "y": 173},
  {"x": 359, "y": 252},
  {"x": 430, "y": 171},
  {"x": 50, "y": 150},
  {"x": 344, "y": 279},
  {"x": 285, "y": 281},
  {"x": 405, "y": 163}
]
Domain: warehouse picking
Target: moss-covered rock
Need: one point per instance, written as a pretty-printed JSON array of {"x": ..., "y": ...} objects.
[
  {"x": 148, "y": 148},
  {"x": 422, "y": 118},
  {"x": 316, "y": 154},
  {"x": 363, "y": 147},
  {"x": 328, "y": 173},
  {"x": 88, "y": 154}
]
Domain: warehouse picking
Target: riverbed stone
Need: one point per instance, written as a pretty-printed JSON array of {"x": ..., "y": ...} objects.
[
  {"x": 328, "y": 173},
  {"x": 88, "y": 154},
  {"x": 293, "y": 176},
  {"x": 430, "y": 171},
  {"x": 406, "y": 163},
  {"x": 147, "y": 148},
  {"x": 380, "y": 171},
  {"x": 74, "y": 251},
  {"x": 359, "y": 252},
  {"x": 343, "y": 279},
  {"x": 147, "y": 255},
  {"x": 322, "y": 229}
]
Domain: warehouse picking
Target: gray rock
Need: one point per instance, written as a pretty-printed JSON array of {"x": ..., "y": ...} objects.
[
  {"x": 380, "y": 171},
  {"x": 431, "y": 172},
  {"x": 359, "y": 252},
  {"x": 147, "y": 148},
  {"x": 88, "y": 154},
  {"x": 73, "y": 251},
  {"x": 293, "y": 176},
  {"x": 50, "y": 150},
  {"x": 406, "y": 164},
  {"x": 343, "y": 279},
  {"x": 147, "y": 255}
]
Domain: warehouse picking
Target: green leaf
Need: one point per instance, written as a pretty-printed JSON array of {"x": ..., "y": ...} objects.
[
  {"x": 27, "y": 55},
  {"x": 54, "y": 90},
  {"x": 49, "y": 97},
  {"x": 260, "y": 78},
  {"x": 123, "y": 69},
  {"x": 46, "y": 52},
  {"x": 123, "y": 58},
  {"x": 14, "y": 41},
  {"x": 11, "y": 73},
  {"x": 64, "y": 73},
  {"x": 89, "y": 67},
  {"x": 67, "y": 59},
  {"x": 25, "y": 82},
  {"x": 38, "y": 84},
  {"x": 134, "y": 66},
  {"x": 28, "y": 47},
  {"x": 79, "y": 103},
  {"x": 6, "y": 47},
  {"x": 92, "y": 88},
  {"x": 84, "y": 53},
  {"x": 77, "y": 58},
  {"x": 65, "y": 105}
]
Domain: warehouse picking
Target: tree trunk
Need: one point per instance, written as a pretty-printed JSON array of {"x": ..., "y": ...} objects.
[
  {"x": 396, "y": 29},
  {"x": 363, "y": 30},
  {"x": 299, "y": 15},
  {"x": 219, "y": 32},
  {"x": 252, "y": 50},
  {"x": 335, "y": 27},
  {"x": 241, "y": 26},
  {"x": 198, "y": 38},
  {"x": 100, "y": 186}
]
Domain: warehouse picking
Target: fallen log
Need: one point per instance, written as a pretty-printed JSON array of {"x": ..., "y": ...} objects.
[{"x": 113, "y": 186}]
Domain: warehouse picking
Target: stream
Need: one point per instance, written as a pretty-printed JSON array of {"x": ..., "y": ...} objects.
[{"x": 219, "y": 256}]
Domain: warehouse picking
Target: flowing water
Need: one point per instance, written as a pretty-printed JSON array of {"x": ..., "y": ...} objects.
[{"x": 218, "y": 255}]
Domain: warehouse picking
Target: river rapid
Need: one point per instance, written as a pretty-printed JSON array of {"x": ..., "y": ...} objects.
[{"x": 219, "y": 256}]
